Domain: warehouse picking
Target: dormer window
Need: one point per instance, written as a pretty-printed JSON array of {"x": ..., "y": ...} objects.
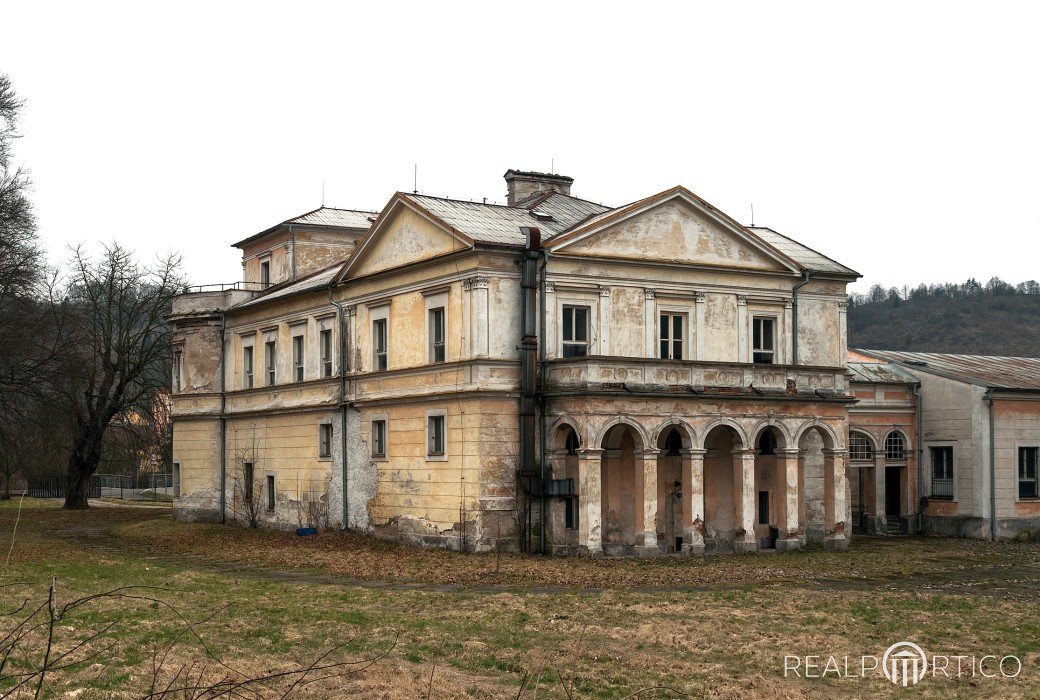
[{"x": 265, "y": 273}]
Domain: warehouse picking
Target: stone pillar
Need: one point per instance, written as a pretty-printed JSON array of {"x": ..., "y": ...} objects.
[
  {"x": 843, "y": 330},
  {"x": 650, "y": 323},
  {"x": 590, "y": 507},
  {"x": 646, "y": 469},
  {"x": 878, "y": 523},
  {"x": 834, "y": 526},
  {"x": 744, "y": 501},
  {"x": 602, "y": 331},
  {"x": 551, "y": 321},
  {"x": 699, "y": 324},
  {"x": 693, "y": 501},
  {"x": 787, "y": 481},
  {"x": 743, "y": 326},
  {"x": 467, "y": 317},
  {"x": 555, "y": 531},
  {"x": 786, "y": 341}
]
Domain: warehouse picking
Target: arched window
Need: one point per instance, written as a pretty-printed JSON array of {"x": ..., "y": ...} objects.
[
  {"x": 572, "y": 442},
  {"x": 767, "y": 443},
  {"x": 895, "y": 447},
  {"x": 859, "y": 447},
  {"x": 673, "y": 442}
]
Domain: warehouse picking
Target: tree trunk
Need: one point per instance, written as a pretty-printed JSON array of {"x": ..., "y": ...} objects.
[{"x": 77, "y": 480}]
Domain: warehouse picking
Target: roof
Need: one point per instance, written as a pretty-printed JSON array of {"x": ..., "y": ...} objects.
[
  {"x": 495, "y": 223},
  {"x": 880, "y": 373},
  {"x": 321, "y": 217},
  {"x": 314, "y": 280},
  {"x": 1012, "y": 373},
  {"x": 805, "y": 256}
]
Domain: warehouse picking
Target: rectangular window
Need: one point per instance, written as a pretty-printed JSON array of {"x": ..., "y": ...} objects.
[
  {"x": 247, "y": 477},
  {"x": 265, "y": 273},
  {"x": 247, "y": 367},
  {"x": 297, "y": 358},
  {"x": 435, "y": 436},
  {"x": 942, "y": 472},
  {"x": 436, "y": 334},
  {"x": 379, "y": 341},
  {"x": 326, "y": 352},
  {"x": 763, "y": 507},
  {"x": 575, "y": 331},
  {"x": 763, "y": 340},
  {"x": 671, "y": 327},
  {"x": 325, "y": 440},
  {"x": 270, "y": 492},
  {"x": 177, "y": 359},
  {"x": 176, "y": 479},
  {"x": 1028, "y": 486},
  {"x": 270, "y": 358},
  {"x": 379, "y": 438}
]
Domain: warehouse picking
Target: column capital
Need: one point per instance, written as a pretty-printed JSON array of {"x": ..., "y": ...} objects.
[
  {"x": 589, "y": 452},
  {"x": 692, "y": 453},
  {"x": 745, "y": 453},
  {"x": 550, "y": 287},
  {"x": 834, "y": 453},
  {"x": 649, "y": 293},
  {"x": 700, "y": 297},
  {"x": 791, "y": 452},
  {"x": 351, "y": 310},
  {"x": 648, "y": 454},
  {"x": 604, "y": 290},
  {"x": 480, "y": 281},
  {"x": 741, "y": 300}
]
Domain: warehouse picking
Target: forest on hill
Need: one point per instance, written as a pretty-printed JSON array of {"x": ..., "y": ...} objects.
[{"x": 996, "y": 318}]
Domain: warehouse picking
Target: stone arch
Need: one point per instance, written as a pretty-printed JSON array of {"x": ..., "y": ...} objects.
[
  {"x": 626, "y": 421},
  {"x": 831, "y": 441},
  {"x": 783, "y": 443},
  {"x": 871, "y": 436},
  {"x": 689, "y": 435},
  {"x": 558, "y": 436},
  {"x": 732, "y": 425},
  {"x": 907, "y": 446}
]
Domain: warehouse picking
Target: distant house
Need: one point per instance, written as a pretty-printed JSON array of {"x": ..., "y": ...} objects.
[{"x": 980, "y": 439}]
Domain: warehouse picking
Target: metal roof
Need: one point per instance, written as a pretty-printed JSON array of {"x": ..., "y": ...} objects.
[
  {"x": 1016, "y": 373},
  {"x": 880, "y": 373},
  {"x": 495, "y": 223},
  {"x": 322, "y": 216},
  {"x": 315, "y": 280},
  {"x": 805, "y": 256}
]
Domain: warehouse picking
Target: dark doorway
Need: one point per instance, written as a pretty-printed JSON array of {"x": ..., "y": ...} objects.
[{"x": 892, "y": 490}]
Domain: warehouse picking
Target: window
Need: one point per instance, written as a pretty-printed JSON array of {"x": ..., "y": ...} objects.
[
  {"x": 270, "y": 356},
  {"x": 265, "y": 273},
  {"x": 763, "y": 507},
  {"x": 435, "y": 436},
  {"x": 763, "y": 340},
  {"x": 177, "y": 360},
  {"x": 247, "y": 367},
  {"x": 671, "y": 327},
  {"x": 575, "y": 331},
  {"x": 325, "y": 341},
  {"x": 176, "y": 479},
  {"x": 570, "y": 513},
  {"x": 1027, "y": 472},
  {"x": 379, "y": 438},
  {"x": 247, "y": 477},
  {"x": 436, "y": 334},
  {"x": 270, "y": 492},
  {"x": 860, "y": 447},
  {"x": 379, "y": 344},
  {"x": 895, "y": 446},
  {"x": 325, "y": 440},
  {"x": 942, "y": 472},
  {"x": 297, "y": 358}
]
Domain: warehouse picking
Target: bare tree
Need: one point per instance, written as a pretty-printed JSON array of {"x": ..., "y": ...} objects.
[
  {"x": 248, "y": 501},
  {"x": 123, "y": 357}
]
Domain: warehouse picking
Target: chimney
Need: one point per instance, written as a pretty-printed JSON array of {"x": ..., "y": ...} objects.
[{"x": 523, "y": 185}]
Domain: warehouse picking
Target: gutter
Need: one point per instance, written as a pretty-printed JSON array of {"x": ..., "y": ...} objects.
[
  {"x": 992, "y": 471},
  {"x": 540, "y": 387},
  {"x": 342, "y": 319},
  {"x": 794, "y": 315},
  {"x": 223, "y": 417}
]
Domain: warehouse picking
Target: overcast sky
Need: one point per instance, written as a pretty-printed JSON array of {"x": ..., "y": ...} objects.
[{"x": 902, "y": 139}]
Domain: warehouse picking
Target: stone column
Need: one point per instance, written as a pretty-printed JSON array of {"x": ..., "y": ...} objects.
[
  {"x": 555, "y": 532},
  {"x": 550, "y": 320},
  {"x": 467, "y": 317},
  {"x": 789, "y": 520},
  {"x": 693, "y": 501},
  {"x": 843, "y": 330},
  {"x": 647, "y": 459},
  {"x": 744, "y": 500},
  {"x": 590, "y": 530},
  {"x": 878, "y": 523},
  {"x": 481, "y": 327},
  {"x": 834, "y": 525}
]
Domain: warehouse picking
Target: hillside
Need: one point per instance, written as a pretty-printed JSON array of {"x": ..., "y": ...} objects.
[{"x": 979, "y": 325}]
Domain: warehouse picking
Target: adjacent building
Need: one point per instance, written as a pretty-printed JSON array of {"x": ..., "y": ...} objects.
[{"x": 551, "y": 373}]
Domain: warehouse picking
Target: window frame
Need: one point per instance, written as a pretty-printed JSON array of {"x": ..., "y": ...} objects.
[
  {"x": 671, "y": 340},
  {"x": 248, "y": 366},
  {"x": 436, "y": 322},
  {"x": 433, "y": 418},
  {"x": 175, "y": 475},
  {"x": 380, "y": 344},
  {"x": 855, "y": 456},
  {"x": 178, "y": 368},
  {"x": 325, "y": 344},
  {"x": 948, "y": 467},
  {"x": 265, "y": 272},
  {"x": 773, "y": 351},
  {"x": 271, "y": 500},
  {"x": 1021, "y": 480},
  {"x": 378, "y": 427},
  {"x": 890, "y": 454},
  {"x": 584, "y": 345},
  {"x": 248, "y": 476},
  {"x": 271, "y": 362},
  {"x": 325, "y": 436},
  {"x": 299, "y": 355}
]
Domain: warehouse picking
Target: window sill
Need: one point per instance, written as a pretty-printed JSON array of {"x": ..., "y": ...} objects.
[
  {"x": 378, "y": 458},
  {"x": 325, "y": 459},
  {"x": 944, "y": 499},
  {"x": 437, "y": 458}
]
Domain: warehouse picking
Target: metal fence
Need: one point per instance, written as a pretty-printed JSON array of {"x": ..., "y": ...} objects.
[
  {"x": 57, "y": 487},
  {"x": 942, "y": 488}
]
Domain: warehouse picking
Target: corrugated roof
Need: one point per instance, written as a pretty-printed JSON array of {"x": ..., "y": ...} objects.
[
  {"x": 322, "y": 216},
  {"x": 805, "y": 256},
  {"x": 1018, "y": 373},
  {"x": 880, "y": 373},
  {"x": 315, "y": 280},
  {"x": 495, "y": 223}
]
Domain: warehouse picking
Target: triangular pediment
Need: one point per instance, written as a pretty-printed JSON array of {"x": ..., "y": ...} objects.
[
  {"x": 676, "y": 227},
  {"x": 403, "y": 234}
]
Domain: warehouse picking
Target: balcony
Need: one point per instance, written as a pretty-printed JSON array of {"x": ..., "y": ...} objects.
[
  {"x": 209, "y": 299},
  {"x": 637, "y": 375}
]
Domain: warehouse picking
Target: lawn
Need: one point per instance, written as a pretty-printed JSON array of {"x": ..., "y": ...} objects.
[{"x": 213, "y": 603}]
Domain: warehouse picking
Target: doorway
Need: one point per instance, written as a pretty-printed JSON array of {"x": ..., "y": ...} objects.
[{"x": 893, "y": 489}]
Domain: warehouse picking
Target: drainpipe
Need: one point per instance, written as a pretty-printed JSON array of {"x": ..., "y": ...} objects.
[
  {"x": 543, "y": 442},
  {"x": 528, "y": 361},
  {"x": 794, "y": 315},
  {"x": 223, "y": 419},
  {"x": 992, "y": 471},
  {"x": 919, "y": 407},
  {"x": 341, "y": 317}
]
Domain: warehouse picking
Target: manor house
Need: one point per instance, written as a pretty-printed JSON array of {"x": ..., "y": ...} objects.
[{"x": 550, "y": 373}]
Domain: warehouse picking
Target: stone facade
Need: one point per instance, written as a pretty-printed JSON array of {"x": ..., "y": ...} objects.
[{"x": 691, "y": 376}]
